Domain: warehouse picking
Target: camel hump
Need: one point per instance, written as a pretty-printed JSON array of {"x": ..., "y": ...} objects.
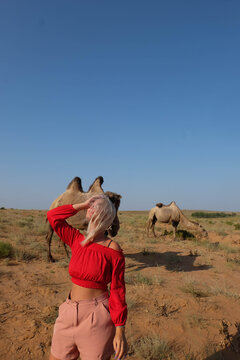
[
  {"x": 115, "y": 198},
  {"x": 159, "y": 205},
  {"x": 96, "y": 185},
  {"x": 75, "y": 184}
]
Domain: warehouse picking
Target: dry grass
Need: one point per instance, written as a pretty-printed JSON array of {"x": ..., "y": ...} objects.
[
  {"x": 153, "y": 348},
  {"x": 193, "y": 288},
  {"x": 171, "y": 285}
]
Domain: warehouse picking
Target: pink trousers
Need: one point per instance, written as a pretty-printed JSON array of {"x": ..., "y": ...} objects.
[{"x": 83, "y": 328}]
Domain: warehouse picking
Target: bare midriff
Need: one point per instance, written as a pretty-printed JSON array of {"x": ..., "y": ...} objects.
[{"x": 81, "y": 293}]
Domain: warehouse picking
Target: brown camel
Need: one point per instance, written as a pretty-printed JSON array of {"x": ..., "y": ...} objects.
[
  {"x": 75, "y": 194},
  {"x": 171, "y": 214}
]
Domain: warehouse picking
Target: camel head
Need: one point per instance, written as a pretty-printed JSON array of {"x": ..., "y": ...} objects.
[
  {"x": 115, "y": 199},
  {"x": 200, "y": 228}
]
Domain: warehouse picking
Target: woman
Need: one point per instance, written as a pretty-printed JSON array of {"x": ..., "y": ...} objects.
[{"x": 90, "y": 322}]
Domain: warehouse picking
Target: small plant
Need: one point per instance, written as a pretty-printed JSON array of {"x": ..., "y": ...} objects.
[
  {"x": 20, "y": 238},
  {"x": 145, "y": 252},
  {"x": 227, "y": 249},
  {"x": 50, "y": 319},
  {"x": 223, "y": 233},
  {"x": 183, "y": 234},
  {"x": 237, "y": 226},
  {"x": 24, "y": 255},
  {"x": 6, "y": 250},
  {"x": 198, "y": 321},
  {"x": 193, "y": 253},
  {"x": 192, "y": 288},
  {"x": 190, "y": 356},
  {"x": 131, "y": 304},
  {"x": 139, "y": 279},
  {"x": 234, "y": 260},
  {"x": 165, "y": 233},
  {"x": 225, "y": 291},
  {"x": 64, "y": 263},
  {"x": 153, "y": 348}
]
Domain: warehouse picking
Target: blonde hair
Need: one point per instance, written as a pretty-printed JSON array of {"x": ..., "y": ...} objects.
[{"x": 102, "y": 217}]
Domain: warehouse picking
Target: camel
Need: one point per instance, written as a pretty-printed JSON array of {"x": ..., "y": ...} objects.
[
  {"x": 171, "y": 214},
  {"x": 75, "y": 194}
]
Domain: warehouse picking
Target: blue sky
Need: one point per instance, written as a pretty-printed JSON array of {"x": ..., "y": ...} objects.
[{"x": 143, "y": 93}]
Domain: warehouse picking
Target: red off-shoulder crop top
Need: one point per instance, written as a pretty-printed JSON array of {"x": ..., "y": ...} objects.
[{"x": 93, "y": 265}]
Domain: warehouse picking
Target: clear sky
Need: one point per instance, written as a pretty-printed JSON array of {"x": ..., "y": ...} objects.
[{"x": 145, "y": 93}]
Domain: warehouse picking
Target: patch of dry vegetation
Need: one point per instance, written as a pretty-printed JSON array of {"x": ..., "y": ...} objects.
[{"x": 177, "y": 291}]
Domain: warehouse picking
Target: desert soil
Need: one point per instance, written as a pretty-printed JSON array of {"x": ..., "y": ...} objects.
[{"x": 183, "y": 296}]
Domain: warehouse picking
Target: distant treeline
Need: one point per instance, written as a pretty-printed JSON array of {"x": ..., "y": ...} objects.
[{"x": 200, "y": 214}]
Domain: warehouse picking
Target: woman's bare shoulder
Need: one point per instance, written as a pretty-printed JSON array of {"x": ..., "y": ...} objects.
[{"x": 115, "y": 246}]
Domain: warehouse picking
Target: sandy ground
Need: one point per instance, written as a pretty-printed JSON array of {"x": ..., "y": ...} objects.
[{"x": 179, "y": 293}]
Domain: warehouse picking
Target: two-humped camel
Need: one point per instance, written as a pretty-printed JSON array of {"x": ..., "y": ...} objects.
[
  {"x": 171, "y": 214},
  {"x": 75, "y": 194}
]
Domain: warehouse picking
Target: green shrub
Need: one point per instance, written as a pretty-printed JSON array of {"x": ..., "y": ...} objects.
[
  {"x": 183, "y": 234},
  {"x": 200, "y": 214},
  {"x": 6, "y": 250},
  {"x": 237, "y": 226}
]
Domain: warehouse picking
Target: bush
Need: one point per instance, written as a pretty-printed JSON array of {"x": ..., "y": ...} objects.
[
  {"x": 200, "y": 214},
  {"x": 183, "y": 235},
  {"x": 6, "y": 250},
  {"x": 237, "y": 226}
]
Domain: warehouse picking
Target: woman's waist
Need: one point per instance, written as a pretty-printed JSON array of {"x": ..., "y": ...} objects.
[
  {"x": 91, "y": 284},
  {"x": 79, "y": 292}
]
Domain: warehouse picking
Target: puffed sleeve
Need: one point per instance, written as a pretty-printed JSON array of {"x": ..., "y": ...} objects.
[
  {"x": 117, "y": 301},
  {"x": 56, "y": 218}
]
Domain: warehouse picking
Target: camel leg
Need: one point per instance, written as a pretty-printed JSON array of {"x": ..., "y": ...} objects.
[
  {"x": 151, "y": 224},
  {"x": 66, "y": 250},
  {"x": 49, "y": 240},
  {"x": 154, "y": 220},
  {"x": 148, "y": 226},
  {"x": 174, "y": 225},
  {"x": 153, "y": 229}
]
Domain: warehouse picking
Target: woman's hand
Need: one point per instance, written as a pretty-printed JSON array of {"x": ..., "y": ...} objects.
[
  {"x": 86, "y": 204},
  {"x": 120, "y": 343}
]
